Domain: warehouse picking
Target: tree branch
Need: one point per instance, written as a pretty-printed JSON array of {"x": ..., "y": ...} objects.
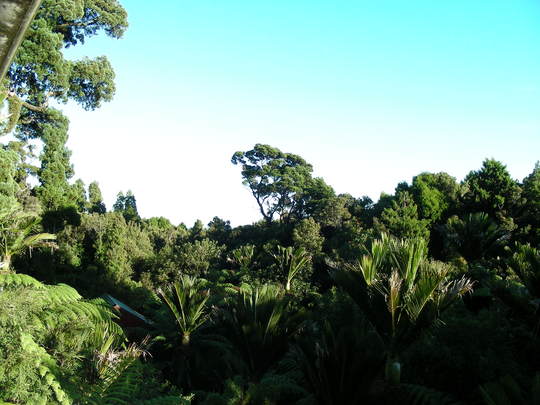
[
  {"x": 13, "y": 96},
  {"x": 76, "y": 24}
]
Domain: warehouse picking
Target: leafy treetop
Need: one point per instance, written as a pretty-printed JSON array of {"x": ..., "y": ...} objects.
[{"x": 281, "y": 182}]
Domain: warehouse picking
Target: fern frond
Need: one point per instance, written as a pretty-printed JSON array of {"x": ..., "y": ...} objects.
[
  {"x": 98, "y": 318},
  {"x": 507, "y": 391},
  {"x": 62, "y": 294},
  {"x": 46, "y": 367},
  {"x": 168, "y": 400},
  {"x": 14, "y": 280},
  {"x": 420, "y": 395}
]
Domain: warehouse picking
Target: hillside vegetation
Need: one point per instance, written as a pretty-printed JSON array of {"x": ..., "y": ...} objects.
[{"x": 428, "y": 296}]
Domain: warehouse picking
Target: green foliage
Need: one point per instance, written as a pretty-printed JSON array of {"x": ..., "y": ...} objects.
[
  {"x": 291, "y": 262},
  {"x": 95, "y": 199},
  {"x": 127, "y": 206},
  {"x": 419, "y": 395},
  {"x": 40, "y": 352},
  {"x": 529, "y": 219},
  {"x": 507, "y": 391},
  {"x": 243, "y": 256},
  {"x": 474, "y": 237},
  {"x": 187, "y": 302},
  {"x": 280, "y": 182},
  {"x": 77, "y": 195},
  {"x": 168, "y": 400},
  {"x": 473, "y": 348},
  {"x": 17, "y": 233},
  {"x": 338, "y": 354},
  {"x": 306, "y": 235},
  {"x": 401, "y": 219},
  {"x": 40, "y": 70},
  {"x": 117, "y": 374},
  {"x": 259, "y": 324},
  {"x": 13, "y": 280},
  {"x": 40, "y": 73},
  {"x": 401, "y": 292},
  {"x": 491, "y": 189},
  {"x": 271, "y": 389},
  {"x": 116, "y": 245},
  {"x": 196, "y": 257},
  {"x": 435, "y": 195},
  {"x": 8, "y": 123},
  {"x": 9, "y": 188},
  {"x": 525, "y": 263},
  {"x": 219, "y": 230}
]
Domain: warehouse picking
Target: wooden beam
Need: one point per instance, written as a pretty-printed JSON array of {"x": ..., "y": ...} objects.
[{"x": 15, "y": 17}]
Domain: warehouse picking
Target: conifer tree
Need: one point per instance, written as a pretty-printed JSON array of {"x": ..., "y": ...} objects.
[
  {"x": 95, "y": 199},
  {"x": 127, "y": 205}
]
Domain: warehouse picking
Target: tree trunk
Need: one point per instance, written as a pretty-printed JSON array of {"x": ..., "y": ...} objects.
[
  {"x": 185, "y": 339},
  {"x": 392, "y": 371},
  {"x": 5, "y": 266}
]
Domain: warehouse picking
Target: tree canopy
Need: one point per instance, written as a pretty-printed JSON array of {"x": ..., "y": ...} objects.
[{"x": 281, "y": 183}]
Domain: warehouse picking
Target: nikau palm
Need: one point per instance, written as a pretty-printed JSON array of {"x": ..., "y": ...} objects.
[
  {"x": 401, "y": 291},
  {"x": 17, "y": 235},
  {"x": 187, "y": 302},
  {"x": 260, "y": 324},
  {"x": 291, "y": 262}
]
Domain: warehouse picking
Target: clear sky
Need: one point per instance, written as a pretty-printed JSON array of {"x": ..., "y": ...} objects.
[{"x": 370, "y": 93}]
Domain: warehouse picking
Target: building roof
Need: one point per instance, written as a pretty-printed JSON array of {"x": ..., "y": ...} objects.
[{"x": 114, "y": 302}]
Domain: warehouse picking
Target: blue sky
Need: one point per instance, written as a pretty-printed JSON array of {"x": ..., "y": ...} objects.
[{"x": 370, "y": 93}]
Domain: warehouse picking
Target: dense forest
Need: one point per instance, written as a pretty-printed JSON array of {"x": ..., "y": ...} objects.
[{"x": 430, "y": 295}]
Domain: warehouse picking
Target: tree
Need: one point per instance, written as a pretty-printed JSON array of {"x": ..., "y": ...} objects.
[
  {"x": 525, "y": 263},
  {"x": 474, "y": 237},
  {"x": 187, "y": 302},
  {"x": 290, "y": 263},
  {"x": 306, "y": 235},
  {"x": 40, "y": 74},
  {"x": 435, "y": 194},
  {"x": 401, "y": 291},
  {"x": 127, "y": 205},
  {"x": 56, "y": 169},
  {"x": 18, "y": 233},
  {"x": 335, "y": 211},
  {"x": 219, "y": 230},
  {"x": 77, "y": 194},
  {"x": 18, "y": 227},
  {"x": 401, "y": 219},
  {"x": 260, "y": 324},
  {"x": 9, "y": 188},
  {"x": 280, "y": 182},
  {"x": 529, "y": 220},
  {"x": 95, "y": 199},
  {"x": 196, "y": 257},
  {"x": 491, "y": 190}
]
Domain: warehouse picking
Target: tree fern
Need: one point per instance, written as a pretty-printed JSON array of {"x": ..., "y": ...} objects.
[
  {"x": 419, "y": 395},
  {"x": 13, "y": 280},
  {"x": 506, "y": 391},
  {"x": 47, "y": 369},
  {"x": 117, "y": 374},
  {"x": 61, "y": 294}
]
